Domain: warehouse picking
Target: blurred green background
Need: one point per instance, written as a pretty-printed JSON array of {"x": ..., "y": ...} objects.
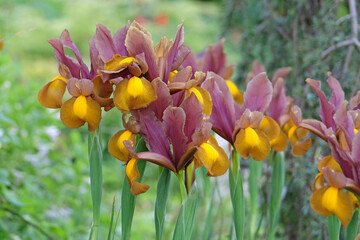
[{"x": 44, "y": 172}]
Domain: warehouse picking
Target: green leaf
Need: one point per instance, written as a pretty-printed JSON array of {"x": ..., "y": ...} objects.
[
  {"x": 95, "y": 158},
  {"x": 111, "y": 220},
  {"x": 353, "y": 227},
  {"x": 127, "y": 199},
  {"x": 277, "y": 185},
  {"x": 208, "y": 221},
  {"x": 162, "y": 193},
  {"x": 185, "y": 220},
  {"x": 237, "y": 196}
]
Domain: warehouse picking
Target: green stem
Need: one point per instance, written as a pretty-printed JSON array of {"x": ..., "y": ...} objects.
[
  {"x": 95, "y": 158},
  {"x": 333, "y": 227},
  {"x": 182, "y": 186}
]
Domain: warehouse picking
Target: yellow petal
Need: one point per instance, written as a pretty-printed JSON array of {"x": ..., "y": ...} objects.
[
  {"x": 329, "y": 161},
  {"x": 318, "y": 183},
  {"x": 80, "y": 107},
  {"x": 238, "y": 96},
  {"x": 93, "y": 114},
  {"x": 51, "y": 94},
  {"x": 270, "y": 127},
  {"x": 300, "y": 148},
  {"x": 102, "y": 89},
  {"x": 345, "y": 207},
  {"x": 118, "y": 62},
  {"x": 68, "y": 116},
  {"x": 252, "y": 142},
  {"x": 134, "y": 94},
  {"x": 213, "y": 157},
  {"x": 172, "y": 74},
  {"x": 116, "y": 146},
  {"x": 132, "y": 174},
  {"x": 279, "y": 143},
  {"x": 204, "y": 97},
  {"x": 316, "y": 202}
]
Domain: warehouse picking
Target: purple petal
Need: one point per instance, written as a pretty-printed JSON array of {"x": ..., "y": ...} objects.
[
  {"x": 356, "y": 149},
  {"x": 179, "y": 40},
  {"x": 335, "y": 179},
  {"x": 215, "y": 58},
  {"x": 153, "y": 132},
  {"x": 104, "y": 43},
  {"x": 137, "y": 41},
  {"x": 157, "y": 159},
  {"x": 190, "y": 60},
  {"x": 163, "y": 100},
  {"x": 67, "y": 42},
  {"x": 280, "y": 73},
  {"x": 337, "y": 96},
  {"x": 96, "y": 63},
  {"x": 74, "y": 67},
  {"x": 223, "y": 112},
  {"x": 345, "y": 122},
  {"x": 355, "y": 101},
  {"x": 314, "y": 126},
  {"x": 194, "y": 115},
  {"x": 258, "y": 93},
  {"x": 326, "y": 108},
  {"x": 181, "y": 55},
  {"x": 278, "y": 104},
  {"x": 174, "y": 121},
  {"x": 119, "y": 40}
]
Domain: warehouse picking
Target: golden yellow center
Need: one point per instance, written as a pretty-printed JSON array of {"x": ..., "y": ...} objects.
[
  {"x": 197, "y": 94},
  {"x": 135, "y": 87},
  {"x": 125, "y": 136},
  {"x": 211, "y": 152},
  {"x": 80, "y": 107},
  {"x": 356, "y": 131},
  {"x": 251, "y": 137},
  {"x": 172, "y": 74},
  {"x": 330, "y": 198}
]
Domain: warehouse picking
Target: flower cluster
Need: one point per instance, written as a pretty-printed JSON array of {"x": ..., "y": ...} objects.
[{"x": 339, "y": 126}]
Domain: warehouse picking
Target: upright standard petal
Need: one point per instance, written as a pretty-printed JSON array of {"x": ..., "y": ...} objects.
[
  {"x": 337, "y": 95},
  {"x": 104, "y": 43},
  {"x": 137, "y": 41},
  {"x": 258, "y": 93},
  {"x": 174, "y": 121}
]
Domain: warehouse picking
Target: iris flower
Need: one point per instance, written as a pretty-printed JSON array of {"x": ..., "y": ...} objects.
[
  {"x": 330, "y": 199},
  {"x": 280, "y": 110},
  {"x": 339, "y": 128},
  {"x": 244, "y": 126}
]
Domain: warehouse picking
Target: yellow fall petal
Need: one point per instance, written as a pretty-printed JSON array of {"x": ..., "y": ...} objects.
[
  {"x": 279, "y": 143},
  {"x": 270, "y": 127},
  {"x": 51, "y": 94},
  {"x": 213, "y": 157},
  {"x": 93, "y": 115},
  {"x": 132, "y": 174},
  {"x": 204, "y": 97},
  {"x": 318, "y": 183},
  {"x": 68, "y": 116},
  {"x": 238, "y": 96},
  {"x": 329, "y": 161},
  {"x": 356, "y": 131},
  {"x": 329, "y": 201},
  {"x": 134, "y": 94},
  {"x": 118, "y": 62},
  {"x": 102, "y": 89},
  {"x": 252, "y": 142},
  {"x": 300, "y": 148},
  {"x": 116, "y": 146}
]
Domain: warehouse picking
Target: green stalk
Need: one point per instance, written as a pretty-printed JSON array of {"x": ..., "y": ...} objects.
[
  {"x": 333, "y": 227},
  {"x": 162, "y": 193},
  {"x": 237, "y": 195},
  {"x": 254, "y": 176},
  {"x": 277, "y": 185},
  {"x": 95, "y": 158}
]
